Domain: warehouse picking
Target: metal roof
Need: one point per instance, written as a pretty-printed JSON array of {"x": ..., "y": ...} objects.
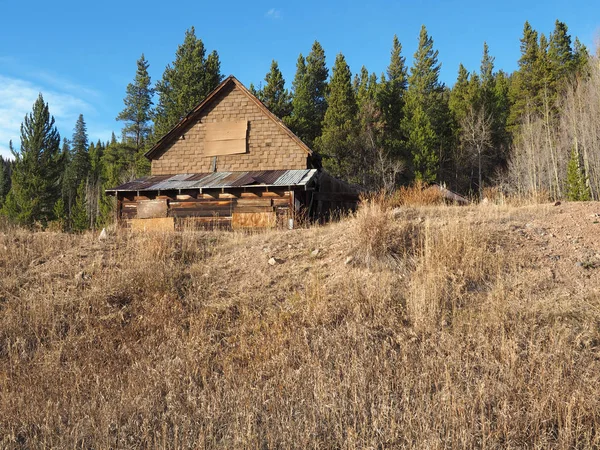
[{"x": 218, "y": 180}]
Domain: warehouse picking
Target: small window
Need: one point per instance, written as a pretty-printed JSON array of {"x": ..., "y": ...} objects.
[{"x": 225, "y": 138}]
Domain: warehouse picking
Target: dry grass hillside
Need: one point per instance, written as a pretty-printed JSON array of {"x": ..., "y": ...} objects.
[{"x": 424, "y": 327}]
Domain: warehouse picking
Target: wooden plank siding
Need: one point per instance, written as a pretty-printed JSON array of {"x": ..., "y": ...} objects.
[
  {"x": 150, "y": 209},
  {"x": 163, "y": 224},
  {"x": 238, "y": 210}
]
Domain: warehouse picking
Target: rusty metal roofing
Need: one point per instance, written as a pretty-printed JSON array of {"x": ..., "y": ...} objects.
[{"x": 219, "y": 180}]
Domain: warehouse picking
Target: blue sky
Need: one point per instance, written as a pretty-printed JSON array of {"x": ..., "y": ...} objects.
[{"x": 81, "y": 55}]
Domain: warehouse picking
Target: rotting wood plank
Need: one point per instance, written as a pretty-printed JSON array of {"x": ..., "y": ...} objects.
[
  {"x": 254, "y": 202},
  {"x": 197, "y": 213},
  {"x": 212, "y": 221},
  {"x": 253, "y": 220},
  {"x": 187, "y": 212},
  {"x": 265, "y": 194},
  {"x": 281, "y": 201},
  {"x": 151, "y": 209},
  {"x": 253, "y": 209},
  {"x": 200, "y": 203}
]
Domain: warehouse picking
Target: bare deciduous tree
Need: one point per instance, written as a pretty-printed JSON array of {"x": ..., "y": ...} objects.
[
  {"x": 543, "y": 144},
  {"x": 476, "y": 130}
]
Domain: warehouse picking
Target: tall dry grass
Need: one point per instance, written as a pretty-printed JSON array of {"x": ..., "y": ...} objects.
[
  {"x": 417, "y": 194},
  {"x": 428, "y": 339}
]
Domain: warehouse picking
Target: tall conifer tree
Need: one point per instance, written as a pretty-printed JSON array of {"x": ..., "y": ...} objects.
[
  {"x": 581, "y": 57},
  {"x": 392, "y": 101},
  {"x": 309, "y": 98},
  {"x": 35, "y": 181},
  {"x": 79, "y": 167},
  {"x": 560, "y": 56},
  {"x": 526, "y": 85},
  {"x": 138, "y": 106},
  {"x": 185, "y": 83},
  {"x": 486, "y": 76},
  {"x": 274, "y": 95},
  {"x": 339, "y": 125},
  {"x": 425, "y": 113}
]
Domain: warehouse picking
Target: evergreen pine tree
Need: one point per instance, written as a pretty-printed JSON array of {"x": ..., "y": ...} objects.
[
  {"x": 366, "y": 87},
  {"x": 66, "y": 157},
  {"x": 392, "y": 101},
  {"x": 60, "y": 214},
  {"x": 256, "y": 92},
  {"x": 581, "y": 58},
  {"x": 487, "y": 78},
  {"x": 274, "y": 95},
  {"x": 79, "y": 166},
  {"x": 317, "y": 74},
  {"x": 339, "y": 125},
  {"x": 138, "y": 105},
  {"x": 526, "y": 85},
  {"x": 560, "y": 57},
  {"x": 117, "y": 165},
  {"x": 426, "y": 118},
  {"x": 376, "y": 163},
  {"x": 460, "y": 96},
  {"x": 309, "y": 101},
  {"x": 493, "y": 100},
  {"x": 298, "y": 120},
  {"x": 186, "y": 83},
  {"x": 79, "y": 213},
  {"x": 35, "y": 180},
  {"x": 4, "y": 179},
  {"x": 502, "y": 108},
  {"x": 94, "y": 183},
  {"x": 460, "y": 103}
]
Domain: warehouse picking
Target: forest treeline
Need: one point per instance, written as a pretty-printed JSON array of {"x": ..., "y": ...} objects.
[{"x": 535, "y": 131}]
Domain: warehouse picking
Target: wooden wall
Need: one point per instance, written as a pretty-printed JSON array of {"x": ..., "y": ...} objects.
[{"x": 235, "y": 210}]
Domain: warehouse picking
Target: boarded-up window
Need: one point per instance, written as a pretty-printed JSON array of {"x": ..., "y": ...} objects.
[
  {"x": 150, "y": 209},
  {"x": 225, "y": 138}
]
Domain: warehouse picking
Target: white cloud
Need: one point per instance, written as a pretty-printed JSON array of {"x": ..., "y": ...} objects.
[
  {"x": 273, "y": 14},
  {"x": 65, "y": 85},
  {"x": 16, "y": 100}
]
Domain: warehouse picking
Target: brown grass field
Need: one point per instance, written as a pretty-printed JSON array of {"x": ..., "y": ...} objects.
[{"x": 422, "y": 327}]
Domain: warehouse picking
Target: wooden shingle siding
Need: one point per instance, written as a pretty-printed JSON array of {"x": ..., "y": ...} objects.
[{"x": 268, "y": 145}]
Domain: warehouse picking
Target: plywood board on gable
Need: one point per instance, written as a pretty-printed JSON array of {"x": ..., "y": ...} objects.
[
  {"x": 218, "y": 148},
  {"x": 225, "y": 138}
]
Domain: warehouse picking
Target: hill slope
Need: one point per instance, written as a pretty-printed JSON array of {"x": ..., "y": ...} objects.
[{"x": 429, "y": 328}]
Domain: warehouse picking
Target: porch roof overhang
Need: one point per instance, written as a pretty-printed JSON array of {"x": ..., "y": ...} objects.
[{"x": 304, "y": 178}]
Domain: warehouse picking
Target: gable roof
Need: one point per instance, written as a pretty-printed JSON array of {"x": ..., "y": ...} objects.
[{"x": 178, "y": 129}]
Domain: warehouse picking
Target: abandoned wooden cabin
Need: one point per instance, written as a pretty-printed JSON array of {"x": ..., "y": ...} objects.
[{"x": 231, "y": 163}]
